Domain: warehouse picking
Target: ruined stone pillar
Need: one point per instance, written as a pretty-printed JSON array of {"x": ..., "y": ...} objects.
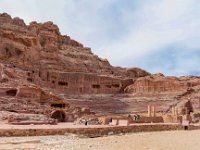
[
  {"x": 176, "y": 111},
  {"x": 154, "y": 111},
  {"x": 149, "y": 110},
  {"x": 173, "y": 111},
  {"x": 186, "y": 110}
]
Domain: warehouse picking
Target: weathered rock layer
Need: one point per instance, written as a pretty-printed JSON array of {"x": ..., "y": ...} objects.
[{"x": 36, "y": 61}]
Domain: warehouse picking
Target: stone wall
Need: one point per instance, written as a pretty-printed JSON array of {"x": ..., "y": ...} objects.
[
  {"x": 92, "y": 132},
  {"x": 144, "y": 119}
]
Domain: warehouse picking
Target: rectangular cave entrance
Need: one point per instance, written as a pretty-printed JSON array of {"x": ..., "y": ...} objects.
[
  {"x": 30, "y": 79},
  {"x": 96, "y": 86},
  {"x": 185, "y": 127},
  {"x": 12, "y": 92},
  {"x": 115, "y": 85},
  {"x": 62, "y": 83},
  {"x": 108, "y": 86},
  {"x": 58, "y": 105}
]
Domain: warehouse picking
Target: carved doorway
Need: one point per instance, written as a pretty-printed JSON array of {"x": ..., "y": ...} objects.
[{"x": 59, "y": 115}]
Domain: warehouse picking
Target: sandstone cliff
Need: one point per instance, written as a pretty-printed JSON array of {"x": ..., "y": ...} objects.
[
  {"x": 49, "y": 59},
  {"x": 41, "y": 46},
  {"x": 36, "y": 61}
]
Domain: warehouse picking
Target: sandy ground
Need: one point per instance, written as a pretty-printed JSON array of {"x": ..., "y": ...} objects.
[{"x": 170, "y": 140}]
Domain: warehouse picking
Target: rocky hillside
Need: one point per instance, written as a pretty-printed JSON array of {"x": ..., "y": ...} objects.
[
  {"x": 40, "y": 45},
  {"x": 36, "y": 60}
]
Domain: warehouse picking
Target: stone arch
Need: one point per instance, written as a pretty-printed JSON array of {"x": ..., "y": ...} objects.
[{"x": 60, "y": 115}]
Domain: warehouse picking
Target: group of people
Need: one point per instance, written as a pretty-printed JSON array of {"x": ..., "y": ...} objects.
[{"x": 134, "y": 116}]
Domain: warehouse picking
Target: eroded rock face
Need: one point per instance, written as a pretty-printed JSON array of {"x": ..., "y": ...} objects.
[
  {"x": 38, "y": 64},
  {"x": 49, "y": 59},
  {"x": 39, "y": 67},
  {"x": 41, "y": 46},
  {"x": 165, "y": 91},
  {"x": 157, "y": 84}
]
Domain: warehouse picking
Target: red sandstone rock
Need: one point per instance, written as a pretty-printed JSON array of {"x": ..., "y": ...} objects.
[
  {"x": 157, "y": 84},
  {"x": 40, "y": 67},
  {"x": 39, "y": 54}
]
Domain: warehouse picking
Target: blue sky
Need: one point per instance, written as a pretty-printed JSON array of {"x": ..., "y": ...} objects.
[{"x": 156, "y": 35}]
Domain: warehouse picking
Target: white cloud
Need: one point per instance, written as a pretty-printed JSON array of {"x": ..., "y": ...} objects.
[{"x": 155, "y": 26}]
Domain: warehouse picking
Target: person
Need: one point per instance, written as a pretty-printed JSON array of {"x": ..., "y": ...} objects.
[
  {"x": 135, "y": 116},
  {"x": 138, "y": 117},
  {"x": 86, "y": 123},
  {"x": 110, "y": 121}
]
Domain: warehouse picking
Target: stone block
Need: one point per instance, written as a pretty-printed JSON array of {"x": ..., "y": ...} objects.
[
  {"x": 115, "y": 122},
  {"x": 123, "y": 122}
]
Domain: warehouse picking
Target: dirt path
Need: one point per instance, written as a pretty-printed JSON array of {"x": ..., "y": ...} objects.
[{"x": 170, "y": 140}]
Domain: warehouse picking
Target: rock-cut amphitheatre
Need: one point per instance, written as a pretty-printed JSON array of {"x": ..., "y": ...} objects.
[{"x": 48, "y": 78}]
